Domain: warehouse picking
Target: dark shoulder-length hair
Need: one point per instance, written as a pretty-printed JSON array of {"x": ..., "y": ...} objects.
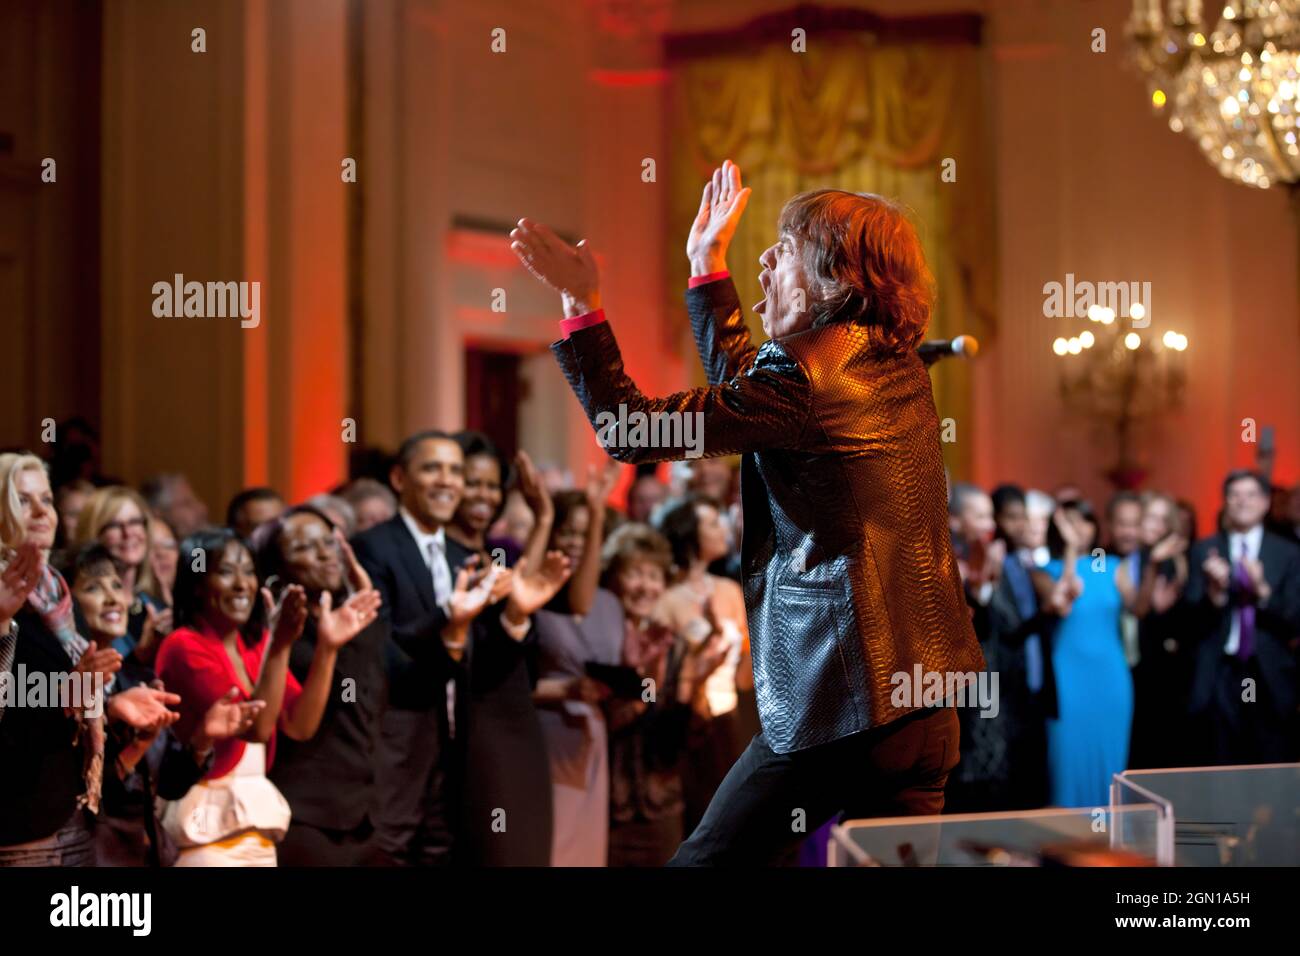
[
  {"x": 200, "y": 556},
  {"x": 1055, "y": 543},
  {"x": 864, "y": 265},
  {"x": 681, "y": 527}
]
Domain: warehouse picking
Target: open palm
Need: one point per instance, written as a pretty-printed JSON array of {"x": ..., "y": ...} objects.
[
  {"x": 532, "y": 590},
  {"x": 337, "y": 626},
  {"x": 570, "y": 271},
  {"x": 721, "y": 206}
]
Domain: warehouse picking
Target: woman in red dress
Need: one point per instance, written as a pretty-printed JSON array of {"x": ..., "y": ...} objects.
[{"x": 225, "y": 646}]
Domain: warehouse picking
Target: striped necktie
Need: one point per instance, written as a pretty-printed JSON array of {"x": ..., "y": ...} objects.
[{"x": 8, "y": 644}]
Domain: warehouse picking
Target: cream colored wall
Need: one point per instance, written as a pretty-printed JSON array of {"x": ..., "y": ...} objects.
[
  {"x": 1090, "y": 182},
  {"x": 460, "y": 132}
]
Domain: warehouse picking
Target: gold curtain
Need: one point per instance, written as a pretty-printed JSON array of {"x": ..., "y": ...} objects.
[{"x": 851, "y": 114}]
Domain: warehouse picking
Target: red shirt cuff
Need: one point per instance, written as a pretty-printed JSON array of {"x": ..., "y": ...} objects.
[
  {"x": 711, "y": 277},
  {"x": 569, "y": 326}
]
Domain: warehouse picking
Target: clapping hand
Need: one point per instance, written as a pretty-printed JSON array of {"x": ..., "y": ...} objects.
[
  {"x": 1258, "y": 582},
  {"x": 530, "y": 592},
  {"x": 358, "y": 579},
  {"x": 336, "y": 626},
  {"x": 469, "y": 594},
  {"x": 288, "y": 617},
  {"x": 1168, "y": 547},
  {"x": 570, "y": 271},
  {"x": 226, "y": 718},
  {"x": 102, "y": 661},
  {"x": 18, "y": 579},
  {"x": 1217, "y": 571},
  {"x": 157, "y": 625},
  {"x": 144, "y": 708}
]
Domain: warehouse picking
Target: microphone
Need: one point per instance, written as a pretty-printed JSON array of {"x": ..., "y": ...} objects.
[{"x": 965, "y": 346}]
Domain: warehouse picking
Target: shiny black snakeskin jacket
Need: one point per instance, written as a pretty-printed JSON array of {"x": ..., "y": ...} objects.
[{"x": 849, "y": 575}]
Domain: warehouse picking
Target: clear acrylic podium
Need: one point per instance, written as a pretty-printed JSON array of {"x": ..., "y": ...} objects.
[
  {"x": 1136, "y": 834},
  {"x": 1207, "y": 816},
  {"x": 1224, "y": 816}
]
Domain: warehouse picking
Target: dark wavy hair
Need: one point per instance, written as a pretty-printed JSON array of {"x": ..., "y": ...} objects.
[
  {"x": 1055, "y": 543},
  {"x": 187, "y": 593},
  {"x": 864, "y": 264},
  {"x": 681, "y": 527}
]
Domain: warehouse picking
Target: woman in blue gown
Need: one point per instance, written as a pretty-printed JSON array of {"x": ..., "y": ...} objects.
[{"x": 1088, "y": 741}]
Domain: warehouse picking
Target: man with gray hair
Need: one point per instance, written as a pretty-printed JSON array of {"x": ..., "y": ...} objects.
[{"x": 172, "y": 499}]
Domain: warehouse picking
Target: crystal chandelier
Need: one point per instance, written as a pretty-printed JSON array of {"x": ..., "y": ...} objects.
[{"x": 1229, "y": 80}]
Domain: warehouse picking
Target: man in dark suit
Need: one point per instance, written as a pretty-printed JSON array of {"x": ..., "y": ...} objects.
[
  {"x": 849, "y": 576},
  {"x": 1243, "y": 590},
  {"x": 453, "y": 632}
]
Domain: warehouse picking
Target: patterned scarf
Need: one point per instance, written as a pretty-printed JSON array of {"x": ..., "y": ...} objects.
[{"x": 52, "y": 600}]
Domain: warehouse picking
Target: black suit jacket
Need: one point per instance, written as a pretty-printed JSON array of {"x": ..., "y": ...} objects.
[
  {"x": 40, "y": 764},
  {"x": 1276, "y": 624},
  {"x": 499, "y": 756}
]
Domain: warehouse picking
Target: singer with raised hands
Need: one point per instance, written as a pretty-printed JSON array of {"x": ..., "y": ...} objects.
[{"x": 850, "y": 581}]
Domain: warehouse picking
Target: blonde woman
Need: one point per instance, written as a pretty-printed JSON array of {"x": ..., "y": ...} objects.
[
  {"x": 54, "y": 752},
  {"x": 119, "y": 519}
]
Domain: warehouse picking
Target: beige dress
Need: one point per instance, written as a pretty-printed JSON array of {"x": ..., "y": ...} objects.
[{"x": 235, "y": 820}]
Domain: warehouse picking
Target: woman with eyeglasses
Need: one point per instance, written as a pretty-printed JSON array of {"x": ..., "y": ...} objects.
[
  {"x": 118, "y": 518},
  {"x": 164, "y": 553}
]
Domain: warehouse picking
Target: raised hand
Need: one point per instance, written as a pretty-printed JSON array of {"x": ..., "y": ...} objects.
[
  {"x": 288, "y": 617},
  {"x": 18, "y": 580},
  {"x": 570, "y": 271},
  {"x": 531, "y": 591},
  {"x": 335, "y": 627},
  {"x": 358, "y": 579},
  {"x": 531, "y": 486},
  {"x": 600, "y": 484},
  {"x": 721, "y": 206}
]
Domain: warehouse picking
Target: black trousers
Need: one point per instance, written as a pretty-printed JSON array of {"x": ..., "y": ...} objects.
[
  {"x": 768, "y": 803},
  {"x": 308, "y": 845},
  {"x": 1246, "y": 732}
]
